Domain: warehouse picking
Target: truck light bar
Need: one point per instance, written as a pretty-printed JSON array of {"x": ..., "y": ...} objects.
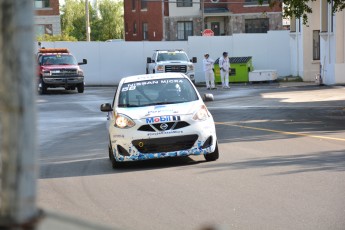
[{"x": 53, "y": 50}]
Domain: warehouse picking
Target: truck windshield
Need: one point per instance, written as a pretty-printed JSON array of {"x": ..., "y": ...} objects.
[
  {"x": 58, "y": 59},
  {"x": 156, "y": 92},
  {"x": 172, "y": 56}
]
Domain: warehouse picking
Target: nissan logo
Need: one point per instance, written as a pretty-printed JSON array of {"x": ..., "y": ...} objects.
[{"x": 163, "y": 126}]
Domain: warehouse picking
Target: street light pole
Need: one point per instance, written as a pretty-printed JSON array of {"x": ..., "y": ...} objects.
[
  {"x": 202, "y": 15},
  {"x": 87, "y": 17}
]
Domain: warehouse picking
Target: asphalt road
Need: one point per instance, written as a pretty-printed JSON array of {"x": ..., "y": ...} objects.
[{"x": 281, "y": 166}]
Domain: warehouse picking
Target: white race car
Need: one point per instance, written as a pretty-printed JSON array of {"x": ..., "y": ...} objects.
[{"x": 157, "y": 116}]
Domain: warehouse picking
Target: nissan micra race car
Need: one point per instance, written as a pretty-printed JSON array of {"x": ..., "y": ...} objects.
[{"x": 157, "y": 116}]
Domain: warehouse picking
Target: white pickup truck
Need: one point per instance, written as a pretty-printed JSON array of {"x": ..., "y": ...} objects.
[{"x": 164, "y": 61}]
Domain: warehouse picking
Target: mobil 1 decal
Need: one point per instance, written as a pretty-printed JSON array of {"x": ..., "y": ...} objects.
[{"x": 152, "y": 120}]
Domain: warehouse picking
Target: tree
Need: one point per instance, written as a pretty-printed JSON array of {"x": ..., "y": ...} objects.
[
  {"x": 53, "y": 38},
  {"x": 111, "y": 16},
  {"x": 301, "y": 8},
  {"x": 106, "y": 21}
]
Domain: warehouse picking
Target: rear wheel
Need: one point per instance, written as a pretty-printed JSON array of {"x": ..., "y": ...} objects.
[
  {"x": 80, "y": 88},
  {"x": 212, "y": 156}
]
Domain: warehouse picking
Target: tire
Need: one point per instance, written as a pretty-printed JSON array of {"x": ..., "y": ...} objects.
[
  {"x": 80, "y": 88},
  {"x": 43, "y": 88},
  {"x": 212, "y": 156},
  {"x": 147, "y": 71},
  {"x": 114, "y": 164}
]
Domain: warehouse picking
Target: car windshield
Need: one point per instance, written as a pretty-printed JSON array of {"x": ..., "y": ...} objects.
[
  {"x": 156, "y": 92},
  {"x": 172, "y": 56},
  {"x": 59, "y": 59}
]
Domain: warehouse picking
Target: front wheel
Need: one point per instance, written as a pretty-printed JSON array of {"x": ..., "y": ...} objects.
[
  {"x": 42, "y": 88},
  {"x": 80, "y": 88},
  {"x": 114, "y": 164},
  {"x": 212, "y": 156}
]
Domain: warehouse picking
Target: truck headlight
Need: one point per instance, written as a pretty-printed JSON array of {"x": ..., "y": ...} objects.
[
  {"x": 80, "y": 73},
  {"x": 160, "y": 68},
  {"x": 201, "y": 114},
  {"x": 46, "y": 73},
  {"x": 190, "y": 67},
  {"x": 123, "y": 122}
]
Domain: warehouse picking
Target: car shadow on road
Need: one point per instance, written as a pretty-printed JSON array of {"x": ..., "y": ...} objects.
[
  {"x": 322, "y": 161},
  {"x": 101, "y": 166}
]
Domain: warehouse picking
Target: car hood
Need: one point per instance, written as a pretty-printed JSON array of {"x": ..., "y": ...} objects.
[
  {"x": 51, "y": 67},
  {"x": 161, "y": 110}
]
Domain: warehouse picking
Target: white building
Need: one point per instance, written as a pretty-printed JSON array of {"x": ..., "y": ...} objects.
[{"x": 319, "y": 48}]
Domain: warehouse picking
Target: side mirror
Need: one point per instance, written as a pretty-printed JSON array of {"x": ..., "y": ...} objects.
[
  {"x": 148, "y": 60},
  {"x": 106, "y": 107},
  {"x": 83, "y": 63},
  {"x": 208, "y": 97},
  {"x": 194, "y": 60}
]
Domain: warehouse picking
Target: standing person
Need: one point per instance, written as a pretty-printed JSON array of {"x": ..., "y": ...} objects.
[
  {"x": 208, "y": 69},
  {"x": 224, "y": 65}
]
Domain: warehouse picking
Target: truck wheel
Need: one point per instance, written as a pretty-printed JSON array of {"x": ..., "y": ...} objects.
[
  {"x": 42, "y": 88},
  {"x": 80, "y": 88},
  {"x": 147, "y": 71},
  {"x": 212, "y": 156}
]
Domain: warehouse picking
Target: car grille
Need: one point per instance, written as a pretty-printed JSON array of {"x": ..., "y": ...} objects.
[
  {"x": 176, "y": 68},
  {"x": 166, "y": 144},
  {"x": 63, "y": 72},
  {"x": 161, "y": 127}
]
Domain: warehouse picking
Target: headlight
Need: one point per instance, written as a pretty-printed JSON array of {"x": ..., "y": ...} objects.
[
  {"x": 160, "y": 68},
  {"x": 46, "y": 73},
  {"x": 190, "y": 67},
  {"x": 202, "y": 114},
  {"x": 123, "y": 122},
  {"x": 80, "y": 73}
]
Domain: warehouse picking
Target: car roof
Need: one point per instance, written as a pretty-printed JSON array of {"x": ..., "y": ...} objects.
[{"x": 157, "y": 76}]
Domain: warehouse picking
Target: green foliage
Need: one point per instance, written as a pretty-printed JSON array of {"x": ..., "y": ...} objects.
[
  {"x": 301, "y": 8},
  {"x": 54, "y": 38},
  {"x": 106, "y": 22}
]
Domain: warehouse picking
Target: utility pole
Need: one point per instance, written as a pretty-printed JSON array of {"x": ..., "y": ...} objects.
[
  {"x": 18, "y": 169},
  {"x": 202, "y": 2},
  {"x": 87, "y": 17}
]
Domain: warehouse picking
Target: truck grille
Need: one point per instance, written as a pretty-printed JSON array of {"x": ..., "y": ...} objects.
[
  {"x": 176, "y": 68},
  {"x": 63, "y": 72},
  {"x": 166, "y": 144}
]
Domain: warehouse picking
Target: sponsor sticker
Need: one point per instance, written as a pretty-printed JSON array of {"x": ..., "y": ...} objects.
[
  {"x": 152, "y": 120},
  {"x": 165, "y": 132}
]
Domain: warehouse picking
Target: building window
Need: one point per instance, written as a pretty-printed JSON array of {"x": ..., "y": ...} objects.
[
  {"x": 42, "y": 3},
  {"x": 184, "y": 29},
  {"x": 184, "y": 3},
  {"x": 316, "y": 44},
  {"x": 44, "y": 29},
  {"x": 143, "y": 4},
  {"x": 254, "y": 2},
  {"x": 134, "y": 28},
  {"x": 145, "y": 32},
  {"x": 260, "y": 25},
  {"x": 134, "y": 4}
]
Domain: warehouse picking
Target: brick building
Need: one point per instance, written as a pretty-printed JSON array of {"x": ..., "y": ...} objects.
[
  {"x": 176, "y": 20},
  {"x": 47, "y": 17}
]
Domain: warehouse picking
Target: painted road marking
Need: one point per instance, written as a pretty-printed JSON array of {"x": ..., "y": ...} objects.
[{"x": 281, "y": 132}]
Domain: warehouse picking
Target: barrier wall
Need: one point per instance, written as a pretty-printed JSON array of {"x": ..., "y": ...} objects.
[{"x": 108, "y": 62}]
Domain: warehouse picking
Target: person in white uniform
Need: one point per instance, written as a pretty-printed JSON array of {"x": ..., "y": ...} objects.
[
  {"x": 208, "y": 69},
  {"x": 224, "y": 65}
]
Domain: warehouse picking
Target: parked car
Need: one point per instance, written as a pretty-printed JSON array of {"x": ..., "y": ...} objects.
[{"x": 157, "y": 116}]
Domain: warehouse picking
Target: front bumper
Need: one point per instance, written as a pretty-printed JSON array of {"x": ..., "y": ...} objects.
[
  {"x": 63, "y": 81},
  {"x": 131, "y": 145}
]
